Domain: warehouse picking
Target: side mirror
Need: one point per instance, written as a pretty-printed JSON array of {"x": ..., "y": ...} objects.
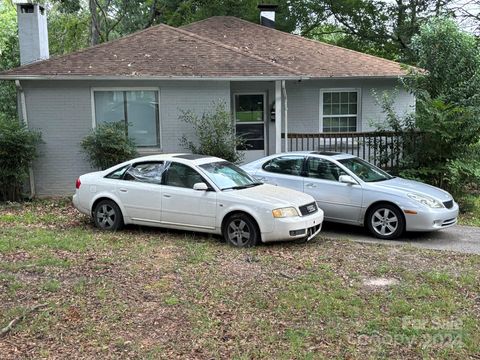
[
  {"x": 347, "y": 179},
  {"x": 201, "y": 186}
]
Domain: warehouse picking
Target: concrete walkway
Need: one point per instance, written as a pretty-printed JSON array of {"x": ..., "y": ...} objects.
[{"x": 464, "y": 239}]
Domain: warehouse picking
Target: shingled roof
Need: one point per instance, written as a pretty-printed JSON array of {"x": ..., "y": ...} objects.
[{"x": 218, "y": 47}]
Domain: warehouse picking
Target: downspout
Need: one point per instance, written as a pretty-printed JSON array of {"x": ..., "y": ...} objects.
[
  {"x": 284, "y": 90},
  {"x": 23, "y": 106}
]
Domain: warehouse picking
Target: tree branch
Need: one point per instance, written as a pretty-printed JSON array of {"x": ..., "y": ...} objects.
[{"x": 18, "y": 319}]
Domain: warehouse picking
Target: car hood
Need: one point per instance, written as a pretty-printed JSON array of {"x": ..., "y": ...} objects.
[
  {"x": 275, "y": 195},
  {"x": 410, "y": 186}
]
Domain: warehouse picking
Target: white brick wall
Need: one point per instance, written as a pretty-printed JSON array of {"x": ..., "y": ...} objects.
[
  {"x": 62, "y": 111},
  {"x": 304, "y": 99}
]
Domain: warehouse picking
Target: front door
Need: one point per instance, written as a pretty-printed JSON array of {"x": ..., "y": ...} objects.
[{"x": 250, "y": 114}]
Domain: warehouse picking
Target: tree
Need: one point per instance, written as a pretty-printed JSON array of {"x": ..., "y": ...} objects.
[
  {"x": 448, "y": 107},
  {"x": 9, "y": 57},
  {"x": 383, "y": 28}
]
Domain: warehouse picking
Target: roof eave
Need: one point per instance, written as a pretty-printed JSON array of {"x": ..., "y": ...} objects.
[
  {"x": 211, "y": 78},
  {"x": 150, "y": 78},
  {"x": 387, "y": 76}
]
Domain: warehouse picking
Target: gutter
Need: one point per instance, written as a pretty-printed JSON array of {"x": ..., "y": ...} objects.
[
  {"x": 23, "y": 106},
  {"x": 142, "y": 78}
]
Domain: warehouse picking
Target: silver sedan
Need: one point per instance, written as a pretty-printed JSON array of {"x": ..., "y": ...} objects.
[{"x": 353, "y": 191}]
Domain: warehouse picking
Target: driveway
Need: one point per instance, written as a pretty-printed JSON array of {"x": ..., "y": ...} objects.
[{"x": 464, "y": 239}]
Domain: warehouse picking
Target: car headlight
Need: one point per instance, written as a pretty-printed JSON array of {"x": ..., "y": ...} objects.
[
  {"x": 426, "y": 200},
  {"x": 285, "y": 212}
]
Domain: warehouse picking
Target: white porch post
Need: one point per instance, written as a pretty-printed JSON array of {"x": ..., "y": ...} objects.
[
  {"x": 284, "y": 91},
  {"x": 278, "y": 116}
]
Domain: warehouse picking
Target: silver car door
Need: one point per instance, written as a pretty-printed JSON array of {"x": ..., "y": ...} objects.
[
  {"x": 285, "y": 170},
  {"x": 341, "y": 202}
]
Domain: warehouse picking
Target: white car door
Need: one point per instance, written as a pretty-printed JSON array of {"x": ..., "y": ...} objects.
[
  {"x": 341, "y": 202},
  {"x": 140, "y": 192},
  {"x": 181, "y": 204},
  {"x": 284, "y": 171}
]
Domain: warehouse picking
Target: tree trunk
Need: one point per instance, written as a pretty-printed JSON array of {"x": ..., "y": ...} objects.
[{"x": 94, "y": 26}]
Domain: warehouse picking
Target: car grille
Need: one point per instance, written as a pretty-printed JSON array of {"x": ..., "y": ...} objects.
[
  {"x": 309, "y": 209},
  {"x": 448, "y": 204},
  {"x": 449, "y": 222}
]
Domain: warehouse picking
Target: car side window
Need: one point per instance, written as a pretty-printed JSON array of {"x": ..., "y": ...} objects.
[
  {"x": 148, "y": 172},
  {"x": 181, "y": 175},
  {"x": 118, "y": 174},
  {"x": 323, "y": 169},
  {"x": 288, "y": 165}
]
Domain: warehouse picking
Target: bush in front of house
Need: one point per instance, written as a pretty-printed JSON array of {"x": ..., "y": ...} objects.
[
  {"x": 18, "y": 148},
  {"x": 215, "y": 133},
  {"x": 108, "y": 145}
]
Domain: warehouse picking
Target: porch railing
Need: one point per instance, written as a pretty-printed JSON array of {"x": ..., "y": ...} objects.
[{"x": 382, "y": 148}]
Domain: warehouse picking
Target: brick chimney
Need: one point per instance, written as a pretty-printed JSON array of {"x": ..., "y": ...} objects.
[
  {"x": 267, "y": 15},
  {"x": 32, "y": 31}
]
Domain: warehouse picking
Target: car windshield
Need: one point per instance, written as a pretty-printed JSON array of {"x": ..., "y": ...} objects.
[
  {"x": 364, "y": 170},
  {"x": 228, "y": 176}
]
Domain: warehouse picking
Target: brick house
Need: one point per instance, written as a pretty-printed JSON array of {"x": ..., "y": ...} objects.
[{"x": 148, "y": 77}]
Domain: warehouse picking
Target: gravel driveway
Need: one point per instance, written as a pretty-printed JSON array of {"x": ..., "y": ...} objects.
[{"x": 465, "y": 239}]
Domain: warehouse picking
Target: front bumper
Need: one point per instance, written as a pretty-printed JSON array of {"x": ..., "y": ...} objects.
[
  {"x": 432, "y": 219},
  {"x": 292, "y": 228}
]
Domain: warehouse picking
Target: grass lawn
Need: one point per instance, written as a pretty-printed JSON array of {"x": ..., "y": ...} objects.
[{"x": 152, "y": 293}]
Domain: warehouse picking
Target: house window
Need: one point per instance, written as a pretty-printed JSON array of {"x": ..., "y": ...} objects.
[
  {"x": 250, "y": 119},
  {"x": 138, "y": 109},
  {"x": 340, "y": 111}
]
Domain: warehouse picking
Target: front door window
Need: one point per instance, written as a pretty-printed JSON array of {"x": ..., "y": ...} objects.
[{"x": 250, "y": 120}]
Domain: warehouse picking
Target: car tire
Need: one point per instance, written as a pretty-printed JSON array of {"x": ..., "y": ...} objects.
[
  {"x": 241, "y": 230},
  {"x": 386, "y": 221},
  {"x": 108, "y": 216}
]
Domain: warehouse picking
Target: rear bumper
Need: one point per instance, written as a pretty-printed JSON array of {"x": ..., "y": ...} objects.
[
  {"x": 77, "y": 204},
  {"x": 432, "y": 219},
  {"x": 293, "y": 228}
]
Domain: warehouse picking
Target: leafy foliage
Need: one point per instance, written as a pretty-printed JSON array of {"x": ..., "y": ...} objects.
[
  {"x": 448, "y": 109},
  {"x": 9, "y": 58},
  {"x": 216, "y": 134},
  {"x": 108, "y": 145},
  {"x": 18, "y": 148}
]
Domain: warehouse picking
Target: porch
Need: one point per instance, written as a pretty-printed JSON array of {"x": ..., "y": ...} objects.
[{"x": 324, "y": 115}]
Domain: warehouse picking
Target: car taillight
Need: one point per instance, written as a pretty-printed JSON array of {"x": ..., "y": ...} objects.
[{"x": 78, "y": 183}]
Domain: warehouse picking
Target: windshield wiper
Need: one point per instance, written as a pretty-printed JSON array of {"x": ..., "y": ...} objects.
[{"x": 240, "y": 187}]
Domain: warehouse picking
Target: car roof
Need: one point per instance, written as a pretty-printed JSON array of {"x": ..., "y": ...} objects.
[
  {"x": 185, "y": 158},
  {"x": 324, "y": 154}
]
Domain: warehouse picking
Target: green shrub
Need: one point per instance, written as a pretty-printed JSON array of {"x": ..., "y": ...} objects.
[
  {"x": 108, "y": 145},
  {"x": 216, "y": 134},
  {"x": 18, "y": 148}
]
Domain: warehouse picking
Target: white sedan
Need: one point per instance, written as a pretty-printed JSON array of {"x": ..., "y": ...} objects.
[{"x": 198, "y": 193}]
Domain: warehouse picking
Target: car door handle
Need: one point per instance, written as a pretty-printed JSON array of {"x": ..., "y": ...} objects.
[
  {"x": 311, "y": 186},
  {"x": 167, "y": 196},
  {"x": 123, "y": 190}
]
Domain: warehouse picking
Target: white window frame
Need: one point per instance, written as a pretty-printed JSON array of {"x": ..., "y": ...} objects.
[
  {"x": 359, "y": 107},
  {"x": 265, "y": 116},
  {"x": 126, "y": 88}
]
